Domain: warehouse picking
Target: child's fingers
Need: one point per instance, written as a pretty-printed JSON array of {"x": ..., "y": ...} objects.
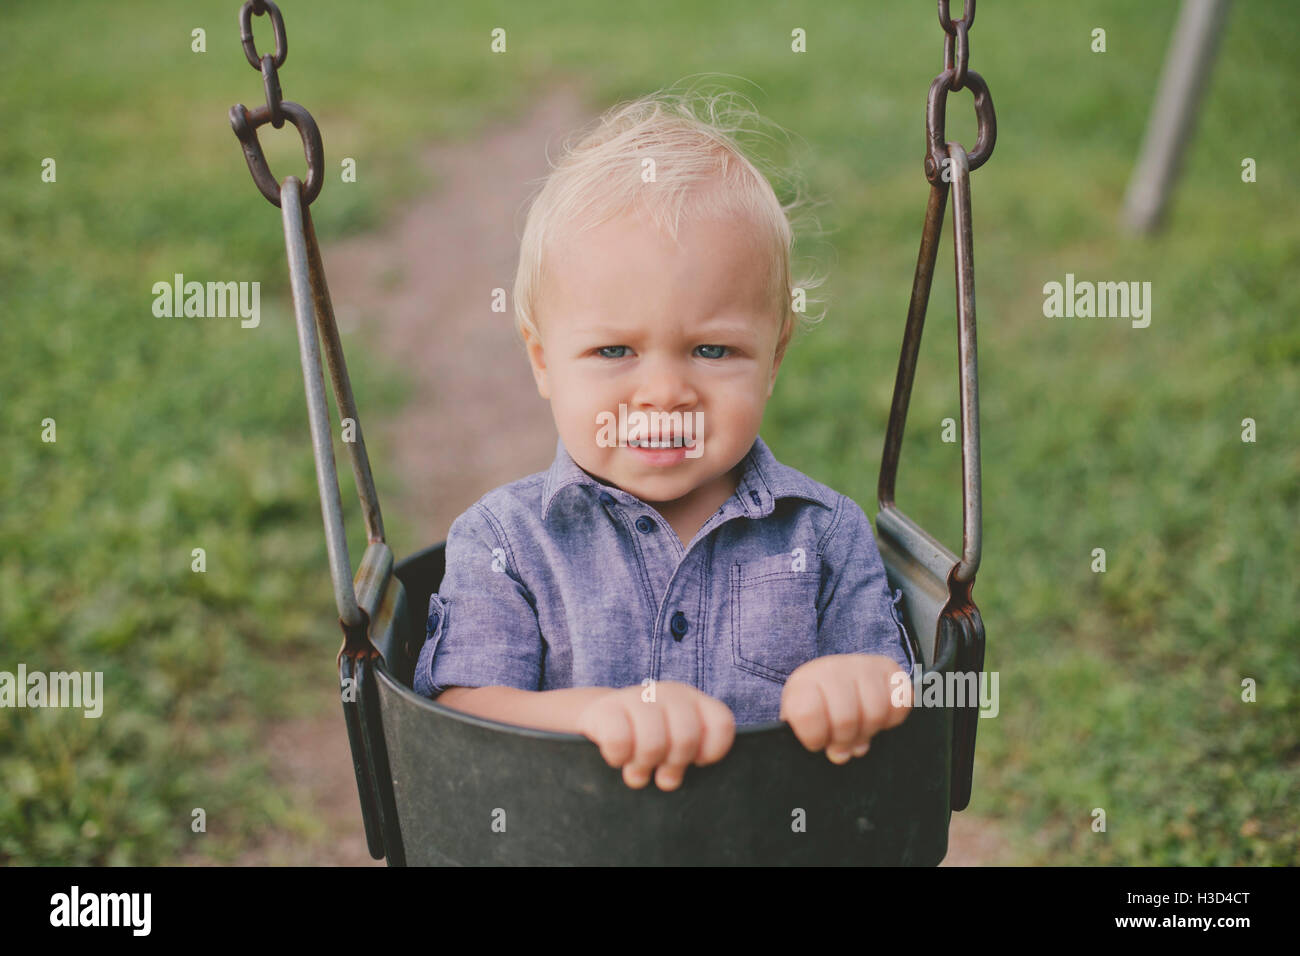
[
  {"x": 611, "y": 730},
  {"x": 900, "y": 704},
  {"x": 804, "y": 709},
  {"x": 635, "y": 777},
  {"x": 684, "y": 733},
  {"x": 873, "y": 702},
  {"x": 900, "y": 692},
  {"x": 717, "y": 731},
  {"x": 651, "y": 742},
  {"x": 879, "y": 707},
  {"x": 844, "y": 711},
  {"x": 669, "y": 776}
]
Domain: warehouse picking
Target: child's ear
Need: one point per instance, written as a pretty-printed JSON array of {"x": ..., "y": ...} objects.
[
  {"x": 780, "y": 354},
  {"x": 537, "y": 359}
]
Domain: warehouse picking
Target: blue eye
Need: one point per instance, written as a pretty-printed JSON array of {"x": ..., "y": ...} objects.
[
  {"x": 722, "y": 347},
  {"x": 607, "y": 348}
]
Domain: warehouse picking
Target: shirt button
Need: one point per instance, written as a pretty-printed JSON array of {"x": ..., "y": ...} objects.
[
  {"x": 644, "y": 525},
  {"x": 606, "y": 498},
  {"x": 678, "y": 625}
]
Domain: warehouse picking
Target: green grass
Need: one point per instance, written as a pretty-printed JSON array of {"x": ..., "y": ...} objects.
[{"x": 1119, "y": 691}]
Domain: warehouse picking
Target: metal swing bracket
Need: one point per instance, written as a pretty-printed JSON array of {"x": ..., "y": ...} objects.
[
  {"x": 356, "y": 599},
  {"x": 363, "y": 601},
  {"x": 959, "y": 630}
]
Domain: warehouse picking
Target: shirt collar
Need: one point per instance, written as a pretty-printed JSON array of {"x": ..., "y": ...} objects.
[{"x": 762, "y": 482}]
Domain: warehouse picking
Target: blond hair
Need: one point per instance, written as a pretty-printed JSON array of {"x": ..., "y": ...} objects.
[{"x": 693, "y": 139}]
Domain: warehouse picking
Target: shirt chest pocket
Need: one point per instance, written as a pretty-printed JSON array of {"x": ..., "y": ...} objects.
[{"x": 774, "y": 613}]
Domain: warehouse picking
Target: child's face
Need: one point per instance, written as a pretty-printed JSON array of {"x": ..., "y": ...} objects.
[{"x": 628, "y": 317}]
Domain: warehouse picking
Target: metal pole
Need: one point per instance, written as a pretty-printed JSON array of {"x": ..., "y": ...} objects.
[{"x": 1187, "y": 66}]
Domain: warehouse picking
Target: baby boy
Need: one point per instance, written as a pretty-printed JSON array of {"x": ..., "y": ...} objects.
[{"x": 666, "y": 577}]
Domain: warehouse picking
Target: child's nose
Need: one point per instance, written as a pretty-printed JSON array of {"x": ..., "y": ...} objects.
[{"x": 664, "y": 384}]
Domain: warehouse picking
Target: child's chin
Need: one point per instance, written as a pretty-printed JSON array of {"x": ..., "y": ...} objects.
[{"x": 662, "y": 489}]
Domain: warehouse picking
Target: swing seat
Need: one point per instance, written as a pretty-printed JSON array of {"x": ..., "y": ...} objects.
[{"x": 440, "y": 787}]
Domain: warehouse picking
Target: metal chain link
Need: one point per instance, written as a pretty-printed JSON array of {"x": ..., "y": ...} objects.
[
  {"x": 245, "y": 122},
  {"x": 957, "y": 75},
  {"x": 945, "y": 14},
  {"x": 963, "y": 54}
]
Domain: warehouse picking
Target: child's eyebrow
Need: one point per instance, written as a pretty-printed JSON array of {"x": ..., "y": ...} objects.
[
  {"x": 715, "y": 325},
  {"x": 601, "y": 331},
  {"x": 730, "y": 325}
]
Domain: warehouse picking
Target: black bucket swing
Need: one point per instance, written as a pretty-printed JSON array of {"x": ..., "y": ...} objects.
[{"x": 441, "y": 787}]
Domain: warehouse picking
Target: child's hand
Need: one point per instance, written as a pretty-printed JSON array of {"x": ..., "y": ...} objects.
[
  {"x": 840, "y": 701},
  {"x": 680, "y": 726}
]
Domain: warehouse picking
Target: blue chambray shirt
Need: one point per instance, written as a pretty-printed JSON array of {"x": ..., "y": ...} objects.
[{"x": 559, "y": 580}]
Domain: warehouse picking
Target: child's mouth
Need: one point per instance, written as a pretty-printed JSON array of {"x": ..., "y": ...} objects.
[
  {"x": 663, "y": 453},
  {"x": 674, "y": 442}
]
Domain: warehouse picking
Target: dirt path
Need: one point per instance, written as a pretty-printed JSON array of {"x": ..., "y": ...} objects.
[
  {"x": 420, "y": 290},
  {"x": 476, "y": 421}
]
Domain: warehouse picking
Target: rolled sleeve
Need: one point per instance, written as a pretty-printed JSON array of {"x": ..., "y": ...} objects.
[
  {"x": 857, "y": 612},
  {"x": 482, "y": 627}
]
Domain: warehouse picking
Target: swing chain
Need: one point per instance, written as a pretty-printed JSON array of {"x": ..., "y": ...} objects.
[
  {"x": 945, "y": 16},
  {"x": 956, "y": 31},
  {"x": 246, "y": 122},
  {"x": 963, "y": 54},
  {"x": 957, "y": 75}
]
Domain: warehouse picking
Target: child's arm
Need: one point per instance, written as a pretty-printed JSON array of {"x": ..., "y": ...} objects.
[
  {"x": 655, "y": 731},
  {"x": 556, "y": 710}
]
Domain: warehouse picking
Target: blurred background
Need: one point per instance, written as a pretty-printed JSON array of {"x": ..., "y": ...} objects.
[{"x": 1119, "y": 690}]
